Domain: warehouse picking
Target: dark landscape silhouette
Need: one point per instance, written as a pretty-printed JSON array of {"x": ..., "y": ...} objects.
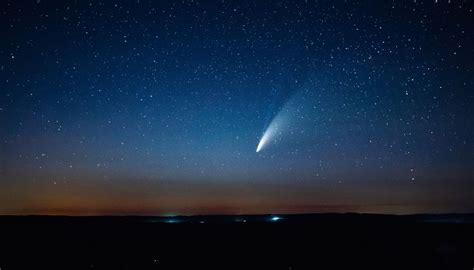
[{"x": 238, "y": 242}]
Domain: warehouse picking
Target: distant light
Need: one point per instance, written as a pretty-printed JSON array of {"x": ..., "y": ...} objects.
[
  {"x": 275, "y": 218},
  {"x": 172, "y": 221}
]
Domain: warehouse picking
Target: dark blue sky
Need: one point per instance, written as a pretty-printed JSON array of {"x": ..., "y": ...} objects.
[{"x": 157, "y": 107}]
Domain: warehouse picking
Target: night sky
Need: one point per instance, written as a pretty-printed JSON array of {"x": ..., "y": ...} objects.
[{"x": 157, "y": 107}]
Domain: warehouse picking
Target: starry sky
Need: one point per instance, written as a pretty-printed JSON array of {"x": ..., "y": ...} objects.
[{"x": 157, "y": 107}]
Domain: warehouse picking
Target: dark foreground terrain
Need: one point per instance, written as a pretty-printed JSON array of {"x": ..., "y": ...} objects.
[{"x": 324, "y": 241}]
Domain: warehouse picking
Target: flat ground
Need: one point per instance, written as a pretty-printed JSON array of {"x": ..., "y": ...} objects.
[{"x": 325, "y": 241}]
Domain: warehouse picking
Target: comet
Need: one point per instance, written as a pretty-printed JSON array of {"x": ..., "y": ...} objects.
[
  {"x": 290, "y": 116},
  {"x": 270, "y": 133},
  {"x": 274, "y": 131},
  {"x": 262, "y": 142}
]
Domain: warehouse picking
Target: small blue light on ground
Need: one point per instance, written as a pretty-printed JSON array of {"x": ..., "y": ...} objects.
[
  {"x": 172, "y": 221},
  {"x": 275, "y": 218}
]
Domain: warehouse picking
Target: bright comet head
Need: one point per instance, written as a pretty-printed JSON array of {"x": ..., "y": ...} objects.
[{"x": 261, "y": 143}]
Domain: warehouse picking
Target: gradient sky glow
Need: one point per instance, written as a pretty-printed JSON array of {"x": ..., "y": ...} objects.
[{"x": 157, "y": 107}]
